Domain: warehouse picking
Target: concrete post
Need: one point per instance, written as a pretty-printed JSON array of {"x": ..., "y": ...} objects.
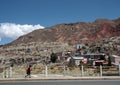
[
  {"x": 100, "y": 70},
  {"x": 119, "y": 69},
  {"x": 64, "y": 68},
  {"x": 7, "y": 73},
  {"x": 46, "y": 71},
  {"x": 4, "y": 73},
  {"x": 82, "y": 68},
  {"x": 10, "y": 71}
]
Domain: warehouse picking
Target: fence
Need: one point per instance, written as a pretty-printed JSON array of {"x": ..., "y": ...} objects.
[{"x": 46, "y": 70}]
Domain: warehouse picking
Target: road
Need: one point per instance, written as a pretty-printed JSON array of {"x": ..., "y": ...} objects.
[{"x": 64, "y": 82}]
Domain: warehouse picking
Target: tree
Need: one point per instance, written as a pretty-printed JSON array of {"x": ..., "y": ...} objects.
[
  {"x": 71, "y": 63},
  {"x": 109, "y": 60},
  {"x": 53, "y": 57}
]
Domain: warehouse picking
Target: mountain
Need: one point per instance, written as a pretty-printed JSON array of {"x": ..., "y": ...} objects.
[
  {"x": 102, "y": 33},
  {"x": 73, "y": 33}
]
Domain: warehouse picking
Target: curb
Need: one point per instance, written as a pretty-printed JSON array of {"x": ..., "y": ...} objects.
[{"x": 40, "y": 79}]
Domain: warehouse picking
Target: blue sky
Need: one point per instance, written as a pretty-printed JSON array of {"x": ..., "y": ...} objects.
[{"x": 51, "y": 12}]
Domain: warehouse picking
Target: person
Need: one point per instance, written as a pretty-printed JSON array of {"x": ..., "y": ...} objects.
[{"x": 28, "y": 72}]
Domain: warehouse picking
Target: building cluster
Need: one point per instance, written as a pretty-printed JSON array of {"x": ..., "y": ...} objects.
[{"x": 97, "y": 53}]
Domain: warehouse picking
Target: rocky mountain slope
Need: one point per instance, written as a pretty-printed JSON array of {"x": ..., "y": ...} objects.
[
  {"x": 74, "y": 33},
  {"x": 100, "y": 36}
]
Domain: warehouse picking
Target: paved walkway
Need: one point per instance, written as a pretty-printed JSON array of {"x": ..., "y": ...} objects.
[{"x": 59, "y": 77}]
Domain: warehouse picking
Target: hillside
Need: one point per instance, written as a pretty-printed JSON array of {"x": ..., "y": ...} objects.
[
  {"x": 74, "y": 33},
  {"x": 39, "y": 44}
]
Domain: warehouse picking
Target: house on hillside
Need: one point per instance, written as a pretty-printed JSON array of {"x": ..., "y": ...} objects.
[
  {"x": 95, "y": 59},
  {"x": 89, "y": 59},
  {"x": 115, "y": 60},
  {"x": 78, "y": 58}
]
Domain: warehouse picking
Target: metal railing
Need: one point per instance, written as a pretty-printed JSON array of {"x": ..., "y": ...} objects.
[{"x": 46, "y": 70}]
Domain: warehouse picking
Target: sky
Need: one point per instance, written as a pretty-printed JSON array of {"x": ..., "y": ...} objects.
[{"x": 19, "y": 17}]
